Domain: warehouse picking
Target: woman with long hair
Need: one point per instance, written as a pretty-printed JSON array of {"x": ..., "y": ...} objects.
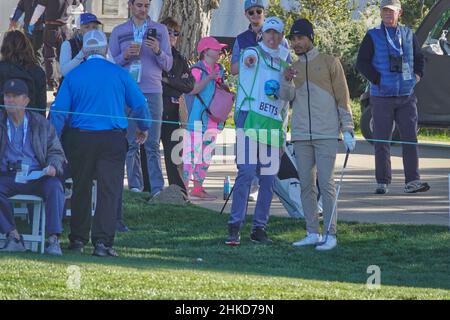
[{"x": 18, "y": 61}]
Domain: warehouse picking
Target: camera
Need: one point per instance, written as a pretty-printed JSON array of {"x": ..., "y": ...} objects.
[
  {"x": 396, "y": 63},
  {"x": 14, "y": 166},
  {"x": 151, "y": 33}
]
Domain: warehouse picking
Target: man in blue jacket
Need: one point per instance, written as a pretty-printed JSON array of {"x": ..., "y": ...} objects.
[
  {"x": 391, "y": 59},
  {"x": 91, "y": 105}
]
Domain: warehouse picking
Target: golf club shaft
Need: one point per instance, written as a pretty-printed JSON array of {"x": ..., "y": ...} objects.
[
  {"x": 228, "y": 198},
  {"x": 338, "y": 191}
]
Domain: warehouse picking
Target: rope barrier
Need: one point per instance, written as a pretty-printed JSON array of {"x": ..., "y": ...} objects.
[{"x": 227, "y": 127}]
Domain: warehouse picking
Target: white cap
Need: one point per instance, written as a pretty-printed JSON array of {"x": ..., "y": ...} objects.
[
  {"x": 94, "y": 40},
  {"x": 273, "y": 23}
]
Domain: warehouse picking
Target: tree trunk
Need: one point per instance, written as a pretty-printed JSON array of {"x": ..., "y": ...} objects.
[{"x": 195, "y": 19}]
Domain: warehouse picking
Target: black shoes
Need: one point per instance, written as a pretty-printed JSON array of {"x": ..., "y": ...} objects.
[
  {"x": 101, "y": 250},
  {"x": 382, "y": 188},
  {"x": 76, "y": 246},
  {"x": 234, "y": 236},
  {"x": 259, "y": 235}
]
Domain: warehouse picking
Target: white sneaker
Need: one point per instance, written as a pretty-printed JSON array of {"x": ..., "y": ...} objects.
[
  {"x": 310, "y": 240},
  {"x": 253, "y": 196},
  {"x": 135, "y": 190},
  {"x": 331, "y": 243}
]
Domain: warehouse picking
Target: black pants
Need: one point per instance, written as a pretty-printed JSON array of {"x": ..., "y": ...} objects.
[
  {"x": 54, "y": 36},
  {"x": 100, "y": 156},
  {"x": 171, "y": 113}
]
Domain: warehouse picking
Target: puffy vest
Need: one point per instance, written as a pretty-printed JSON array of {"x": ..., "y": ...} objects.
[{"x": 392, "y": 84}]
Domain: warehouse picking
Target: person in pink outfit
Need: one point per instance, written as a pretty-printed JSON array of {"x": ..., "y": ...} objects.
[{"x": 202, "y": 130}]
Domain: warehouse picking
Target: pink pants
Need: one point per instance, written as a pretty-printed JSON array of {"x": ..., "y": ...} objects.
[{"x": 197, "y": 154}]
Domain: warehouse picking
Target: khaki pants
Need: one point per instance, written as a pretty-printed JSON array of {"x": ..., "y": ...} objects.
[{"x": 317, "y": 158}]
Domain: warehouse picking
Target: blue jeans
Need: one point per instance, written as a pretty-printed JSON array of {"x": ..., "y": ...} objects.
[
  {"x": 247, "y": 171},
  {"x": 49, "y": 188},
  {"x": 133, "y": 162}
]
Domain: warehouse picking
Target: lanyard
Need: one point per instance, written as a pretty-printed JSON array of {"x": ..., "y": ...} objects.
[
  {"x": 391, "y": 42},
  {"x": 25, "y": 129},
  {"x": 139, "y": 31}
]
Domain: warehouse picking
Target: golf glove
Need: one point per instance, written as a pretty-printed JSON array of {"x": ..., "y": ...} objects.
[{"x": 349, "y": 141}]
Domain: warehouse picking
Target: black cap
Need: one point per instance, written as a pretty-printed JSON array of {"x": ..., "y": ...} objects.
[
  {"x": 302, "y": 27},
  {"x": 16, "y": 86}
]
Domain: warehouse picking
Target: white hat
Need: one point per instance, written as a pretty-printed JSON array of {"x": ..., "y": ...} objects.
[
  {"x": 273, "y": 23},
  {"x": 94, "y": 40}
]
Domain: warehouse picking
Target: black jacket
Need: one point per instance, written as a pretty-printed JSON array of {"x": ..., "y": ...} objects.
[
  {"x": 35, "y": 79},
  {"x": 179, "y": 79}
]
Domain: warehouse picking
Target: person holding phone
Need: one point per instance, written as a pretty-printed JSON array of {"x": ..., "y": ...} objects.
[{"x": 142, "y": 46}]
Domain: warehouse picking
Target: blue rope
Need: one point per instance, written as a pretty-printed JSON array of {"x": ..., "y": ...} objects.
[{"x": 229, "y": 127}]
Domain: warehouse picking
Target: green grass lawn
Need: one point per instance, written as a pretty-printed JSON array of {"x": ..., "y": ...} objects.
[{"x": 178, "y": 253}]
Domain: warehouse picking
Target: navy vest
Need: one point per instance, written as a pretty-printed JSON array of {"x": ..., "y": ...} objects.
[{"x": 392, "y": 84}]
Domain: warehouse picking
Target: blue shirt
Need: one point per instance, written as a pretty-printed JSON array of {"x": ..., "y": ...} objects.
[
  {"x": 93, "y": 97},
  {"x": 18, "y": 148}
]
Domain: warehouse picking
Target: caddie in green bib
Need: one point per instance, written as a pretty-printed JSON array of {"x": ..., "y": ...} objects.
[{"x": 260, "y": 72}]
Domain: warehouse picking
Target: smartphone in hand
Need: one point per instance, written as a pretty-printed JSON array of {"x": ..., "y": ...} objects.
[{"x": 151, "y": 33}]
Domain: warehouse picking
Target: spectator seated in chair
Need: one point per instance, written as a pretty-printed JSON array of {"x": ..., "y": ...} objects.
[{"x": 28, "y": 142}]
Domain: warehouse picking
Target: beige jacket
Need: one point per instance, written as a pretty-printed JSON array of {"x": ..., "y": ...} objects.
[{"x": 321, "y": 100}]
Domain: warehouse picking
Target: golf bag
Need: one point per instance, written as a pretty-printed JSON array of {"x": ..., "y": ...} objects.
[{"x": 287, "y": 184}]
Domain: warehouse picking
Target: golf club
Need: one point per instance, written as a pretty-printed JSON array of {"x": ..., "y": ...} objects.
[
  {"x": 336, "y": 200},
  {"x": 228, "y": 198}
]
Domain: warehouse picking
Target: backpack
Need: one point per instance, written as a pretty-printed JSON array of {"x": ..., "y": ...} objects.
[
  {"x": 221, "y": 103},
  {"x": 12, "y": 71}
]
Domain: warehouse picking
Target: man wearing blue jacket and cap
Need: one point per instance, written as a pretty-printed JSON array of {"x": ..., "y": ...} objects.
[{"x": 91, "y": 104}]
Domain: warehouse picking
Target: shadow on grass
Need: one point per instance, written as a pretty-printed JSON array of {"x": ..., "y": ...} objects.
[{"x": 175, "y": 237}]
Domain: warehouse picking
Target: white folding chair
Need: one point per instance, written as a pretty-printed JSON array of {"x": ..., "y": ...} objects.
[{"x": 37, "y": 235}]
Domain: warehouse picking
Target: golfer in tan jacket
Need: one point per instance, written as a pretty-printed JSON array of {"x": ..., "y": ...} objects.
[{"x": 321, "y": 111}]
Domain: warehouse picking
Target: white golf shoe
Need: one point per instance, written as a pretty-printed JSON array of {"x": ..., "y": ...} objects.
[
  {"x": 330, "y": 243},
  {"x": 311, "y": 239}
]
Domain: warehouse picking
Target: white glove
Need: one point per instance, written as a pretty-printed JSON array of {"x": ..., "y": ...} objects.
[{"x": 349, "y": 141}]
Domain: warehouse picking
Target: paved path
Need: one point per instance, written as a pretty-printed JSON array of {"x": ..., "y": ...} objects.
[{"x": 357, "y": 201}]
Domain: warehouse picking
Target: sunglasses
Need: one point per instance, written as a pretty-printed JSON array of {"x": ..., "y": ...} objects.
[
  {"x": 252, "y": 12},
  {"x": 174, "y": 33}
]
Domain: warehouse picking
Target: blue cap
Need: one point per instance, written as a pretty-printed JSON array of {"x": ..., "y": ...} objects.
[
  {"x": 253, "y": 3},
  {"x": 86, "y": 18},
  {"x": 15, "y": 86}
]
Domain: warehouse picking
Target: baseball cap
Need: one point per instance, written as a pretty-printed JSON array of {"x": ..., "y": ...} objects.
[
  {"x": 391, "y": 4},
  {"x": 16, "y": 86},
  {"x": 209, "y": 43},
  {"x": 302, "y": 27},
  {"x": 94, "y": 40},
  {"x": 253, "y": 3},
  {"x": 86, "y": 18},
  {"x": 273, "y": 23}
]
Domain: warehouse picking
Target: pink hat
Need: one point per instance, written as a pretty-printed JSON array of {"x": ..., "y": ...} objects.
[{"x": 209, "y": 43}]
